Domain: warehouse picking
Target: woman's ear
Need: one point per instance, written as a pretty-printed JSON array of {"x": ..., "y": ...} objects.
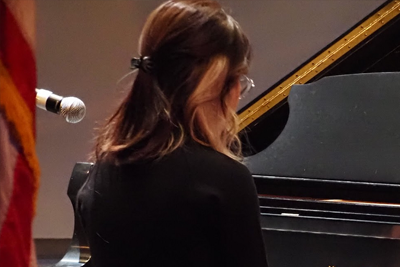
[{"x": 234, "y": 95}]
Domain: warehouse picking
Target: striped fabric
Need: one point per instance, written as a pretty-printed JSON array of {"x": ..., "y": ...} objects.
[{"x": 19, "y": 168}]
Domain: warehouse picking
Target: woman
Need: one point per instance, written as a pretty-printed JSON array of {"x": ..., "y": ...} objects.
[{"x": 167, "y": 189}]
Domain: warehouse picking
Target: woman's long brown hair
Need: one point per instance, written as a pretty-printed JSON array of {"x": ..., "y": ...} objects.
[{"x": 198, "y": 52}]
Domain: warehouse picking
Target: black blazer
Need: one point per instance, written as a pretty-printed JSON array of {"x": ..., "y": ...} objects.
[{"x": 194, "y": 207}]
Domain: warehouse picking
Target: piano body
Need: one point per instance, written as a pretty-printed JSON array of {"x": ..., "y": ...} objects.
[
  {"x": 325, "y": 161},
  {"x": 325, "y": 156},
  {"x": 329, "y": 185}
]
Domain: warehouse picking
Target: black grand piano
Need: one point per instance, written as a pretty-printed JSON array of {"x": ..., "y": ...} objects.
[
  {"x": 323, "y": 145},
  {"x": 323, "y": 148},
  {"x": 329, "y": 184}
]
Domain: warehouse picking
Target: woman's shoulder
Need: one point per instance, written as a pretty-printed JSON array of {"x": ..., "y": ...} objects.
[
  {"x": 206, "y": 159},
  {"x": 227, "y": 177},
  {"x": 190, "y": 158}
]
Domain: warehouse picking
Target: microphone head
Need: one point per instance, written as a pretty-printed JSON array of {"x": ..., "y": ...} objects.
[{"x": 72, "y": 109}]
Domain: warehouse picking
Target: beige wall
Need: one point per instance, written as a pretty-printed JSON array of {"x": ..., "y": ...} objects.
[{"x": 84, "y": 47}]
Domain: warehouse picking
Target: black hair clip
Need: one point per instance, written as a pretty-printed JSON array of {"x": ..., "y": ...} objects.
[{"x": 142, "y": 63}]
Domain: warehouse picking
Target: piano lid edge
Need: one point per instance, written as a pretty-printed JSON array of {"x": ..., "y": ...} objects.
[{"x": 321, "y": 61}]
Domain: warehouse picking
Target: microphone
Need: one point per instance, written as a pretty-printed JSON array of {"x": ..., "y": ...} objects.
[{"x": 71, "y": 108}]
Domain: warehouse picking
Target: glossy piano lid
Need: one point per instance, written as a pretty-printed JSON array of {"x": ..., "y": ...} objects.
[{"x": 343, "y": 127}]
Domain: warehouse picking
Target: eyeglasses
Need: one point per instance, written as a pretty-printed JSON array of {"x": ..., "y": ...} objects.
[{"x": 246, "y": 84}]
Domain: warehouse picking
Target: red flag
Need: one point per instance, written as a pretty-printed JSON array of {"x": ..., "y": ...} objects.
[{"x": 19, "y": 168}]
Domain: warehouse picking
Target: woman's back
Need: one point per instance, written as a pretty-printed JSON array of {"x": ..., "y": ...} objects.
[
  {"x": 194, "y": 207},
  {"x": 167, "y": 189}
]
